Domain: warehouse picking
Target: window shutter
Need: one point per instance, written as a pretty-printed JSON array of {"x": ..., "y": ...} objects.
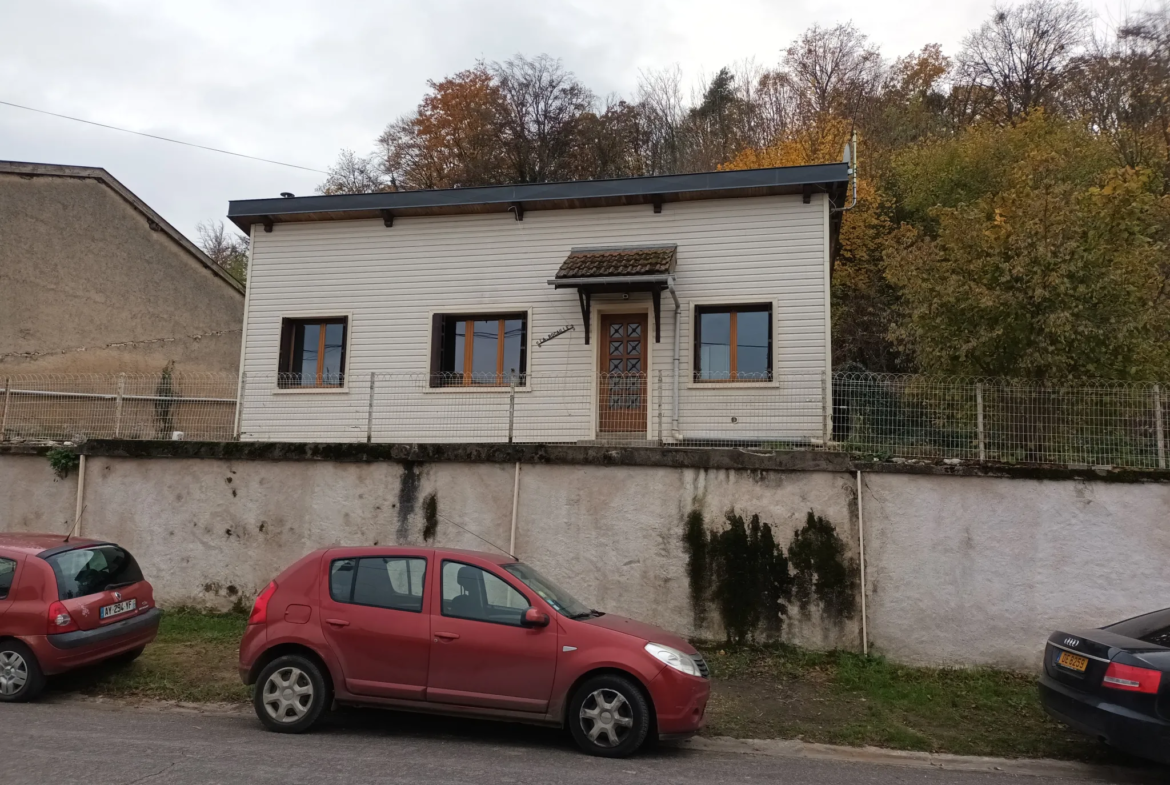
[{"x": 287, "y": 328}]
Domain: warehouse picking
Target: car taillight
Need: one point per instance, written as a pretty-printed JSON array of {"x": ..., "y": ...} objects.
[
  {"x": 1131, "y": 679},
  {"x": 60, "y": 620},
  {"x": 259, "y": 613}
]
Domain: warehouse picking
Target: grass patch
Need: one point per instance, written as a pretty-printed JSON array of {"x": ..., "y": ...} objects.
[
  {"x": 193, "y": 660},
  {"x": 758, "y": 692},
  {"x": 776, "y": 691}
]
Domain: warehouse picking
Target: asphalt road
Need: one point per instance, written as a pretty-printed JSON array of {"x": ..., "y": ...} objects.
[{"x": 96, "y": 744}]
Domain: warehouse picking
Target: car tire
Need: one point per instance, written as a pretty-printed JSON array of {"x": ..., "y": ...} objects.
[
  {"x": 609, "y": 717},
  {"x": 291, "y": 694},
  {"x": 21, "y": 678}
]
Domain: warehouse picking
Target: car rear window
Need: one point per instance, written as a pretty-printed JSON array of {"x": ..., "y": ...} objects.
[
  {"x": 86, "y": 571},
  {"x": 1151, "y": 628}
]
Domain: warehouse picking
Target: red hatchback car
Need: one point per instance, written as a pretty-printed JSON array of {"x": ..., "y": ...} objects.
[
  {"x": 463, "y": 633},
  {"x": 67, "y": 604}
]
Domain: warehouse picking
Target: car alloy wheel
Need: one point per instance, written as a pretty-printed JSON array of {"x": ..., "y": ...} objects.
[
  {"x": 288, "y": 695},
  {"x": 13, "y": 673},
  {"x": 606, "y": 717}
]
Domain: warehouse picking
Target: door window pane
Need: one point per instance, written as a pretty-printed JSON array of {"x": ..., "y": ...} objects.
[
  {"x": 715, "y": 346},
  {"x": 472, "y": 593},
  {"x": 393, "y": 582},
  {"x": 341, "y": 580},
  {"x": 7, "y": 571},
  {"x": 751, "y": 344}
]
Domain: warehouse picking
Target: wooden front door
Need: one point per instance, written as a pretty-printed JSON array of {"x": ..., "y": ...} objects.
[{"x": 622, "y": 375}]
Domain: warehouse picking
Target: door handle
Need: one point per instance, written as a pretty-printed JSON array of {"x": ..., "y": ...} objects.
[
  {"x": 446, "y": 636},
  {"x": 337, "y": 622}
]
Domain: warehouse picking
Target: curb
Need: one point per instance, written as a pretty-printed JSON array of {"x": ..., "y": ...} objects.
[{"x": 1039, "y": 767}]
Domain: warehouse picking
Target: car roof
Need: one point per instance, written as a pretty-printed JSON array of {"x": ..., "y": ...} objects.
[
  {"x": 38, "y": 543},
  {"x": 363, "y": 550}
]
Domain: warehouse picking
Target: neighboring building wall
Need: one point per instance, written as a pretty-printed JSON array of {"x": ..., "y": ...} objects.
[
  {"x": 961, "y": 570},
  {"x": 390, "y": 280},
  {"x": 86, "y": 286}
]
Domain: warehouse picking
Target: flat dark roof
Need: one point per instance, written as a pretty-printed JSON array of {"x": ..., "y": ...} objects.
[{"x": 662, "y": 189}]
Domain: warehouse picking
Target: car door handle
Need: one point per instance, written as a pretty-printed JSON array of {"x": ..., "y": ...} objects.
[
  {"x": 446, "y": 636},
  {"x": 337, "y": 622}
]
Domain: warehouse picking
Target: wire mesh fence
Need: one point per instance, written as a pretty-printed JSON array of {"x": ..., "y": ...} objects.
[{"x": 1124, "y": 424}]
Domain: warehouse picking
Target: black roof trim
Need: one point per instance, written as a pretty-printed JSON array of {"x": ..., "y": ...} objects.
[{"x": 535, "y": 196}]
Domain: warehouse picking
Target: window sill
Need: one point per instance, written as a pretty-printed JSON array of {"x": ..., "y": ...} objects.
[
  {"x": 310, "y": 390},
  {"x": 733, "y": 385},
  {"x": 473, "y": 389}
]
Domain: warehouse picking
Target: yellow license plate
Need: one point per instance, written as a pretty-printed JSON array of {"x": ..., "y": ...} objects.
[{"x": 1073, "y": 662}]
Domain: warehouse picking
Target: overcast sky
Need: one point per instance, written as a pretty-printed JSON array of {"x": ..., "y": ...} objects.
[{"x": 297, "y": 81}]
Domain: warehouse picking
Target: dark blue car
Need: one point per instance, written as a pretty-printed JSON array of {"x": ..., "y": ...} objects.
[{"x": 1114, "y": 683}]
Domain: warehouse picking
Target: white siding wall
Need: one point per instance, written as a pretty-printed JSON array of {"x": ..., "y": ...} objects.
[{"x": 390, "y": 280}]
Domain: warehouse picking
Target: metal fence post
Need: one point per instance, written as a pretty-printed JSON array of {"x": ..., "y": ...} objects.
[
  {"x": 659, "y": 391},
  {"x": 979, "y": 420},
  {"x": 118, "y": 405},
  {"x": 511, "y": 403},
  {"x": 826, "y": 411},
  {"x": 4, "y": 417},
  {"x": 1159, "y": 426},
  {"x": 370, "y": 412}
]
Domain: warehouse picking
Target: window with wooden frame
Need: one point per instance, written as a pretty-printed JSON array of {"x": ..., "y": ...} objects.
[
  {"x": 312, "y": 352},
  {"x": 479, "y": 349},
  {"x": 733, "y": 343}
]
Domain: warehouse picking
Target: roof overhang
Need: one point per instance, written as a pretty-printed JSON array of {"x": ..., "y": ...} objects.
[
  {"x": 517, "y": 199},
  {"x": 619, "y": 284}
]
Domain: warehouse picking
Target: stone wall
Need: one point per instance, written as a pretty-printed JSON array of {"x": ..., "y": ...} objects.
[{"x": 961, "y": 570}]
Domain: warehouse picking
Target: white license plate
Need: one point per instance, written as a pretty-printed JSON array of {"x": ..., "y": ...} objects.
[{"x": 118, "y": 607}]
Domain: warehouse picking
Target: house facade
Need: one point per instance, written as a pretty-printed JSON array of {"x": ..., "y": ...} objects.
[
  {"x": 675, "y": 309},
  {"x": 93, "y": 281}
]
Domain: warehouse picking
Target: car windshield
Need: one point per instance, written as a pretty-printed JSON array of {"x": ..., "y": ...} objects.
[
  {"x": 86, "y": 571},
  {"x": 563, "y": 602}
]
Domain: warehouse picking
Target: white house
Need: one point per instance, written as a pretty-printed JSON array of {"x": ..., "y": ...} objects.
[{"x": 676, "y": 309}]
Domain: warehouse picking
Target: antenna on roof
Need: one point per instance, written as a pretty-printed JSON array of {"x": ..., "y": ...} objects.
[
  {"x": 849, "y": 158},
  {"x": 73, "y": 528},
  {"x": 476, "y": 536}
]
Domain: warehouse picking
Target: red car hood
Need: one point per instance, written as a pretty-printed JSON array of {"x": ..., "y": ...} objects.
[{"x": 647, "y": 632}]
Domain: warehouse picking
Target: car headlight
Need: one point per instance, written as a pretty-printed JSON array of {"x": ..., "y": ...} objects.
[{"x": 674, "y": 658}]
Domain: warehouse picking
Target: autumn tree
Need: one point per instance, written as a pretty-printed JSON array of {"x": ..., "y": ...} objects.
[
  {"x": 1047, "y": 279},
  {"x": 228, "y": 249}
]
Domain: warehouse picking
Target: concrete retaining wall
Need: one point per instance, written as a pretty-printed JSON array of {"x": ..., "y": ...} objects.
[{"x": 961, "y": 570}]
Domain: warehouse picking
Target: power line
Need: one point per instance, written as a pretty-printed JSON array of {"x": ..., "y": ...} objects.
[{"x": 161, "y": 138}]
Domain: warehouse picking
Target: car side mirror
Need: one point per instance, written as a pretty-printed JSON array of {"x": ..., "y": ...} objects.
[{"x": 534, "y": 618}]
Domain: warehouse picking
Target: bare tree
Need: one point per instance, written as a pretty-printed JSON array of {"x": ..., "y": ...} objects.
[
  {"x": 1021, "y": 53},
  {"x": 662, "y": 110},
  {"x": 834, "y": 70},
  {"x": 540, "y": 108},
  {"x": 226, "y": 248},
  {"x": 353, "y": 174}
]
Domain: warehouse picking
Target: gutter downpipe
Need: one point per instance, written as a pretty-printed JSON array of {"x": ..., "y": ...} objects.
[
  {"x": 80, "y": 496},
  {"x": 674, "y": 432},
  {"x": 515, "y": 507},
  {"x": 861, "y": 542}
]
